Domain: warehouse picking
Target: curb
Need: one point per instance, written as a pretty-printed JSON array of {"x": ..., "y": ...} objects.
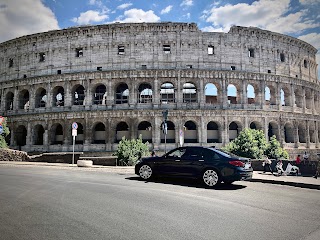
[{"x": 293, "y": 184}]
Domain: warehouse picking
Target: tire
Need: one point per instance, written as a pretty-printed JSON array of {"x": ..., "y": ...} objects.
[
  {"x": 211, "y": 178},
  {"x": 145, "y": 172}
]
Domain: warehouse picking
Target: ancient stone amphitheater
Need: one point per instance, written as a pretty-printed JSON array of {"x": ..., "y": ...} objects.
[{"x": 117, "y": 80}]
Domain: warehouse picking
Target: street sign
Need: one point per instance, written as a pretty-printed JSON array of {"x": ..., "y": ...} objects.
[
  {"x": 1, "y": 129},
  {"x": 1, "y": 120},
  {"x": 74, "y": 125}
]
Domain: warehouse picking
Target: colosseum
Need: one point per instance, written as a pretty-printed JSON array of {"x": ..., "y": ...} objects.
[{"x": 121, "y": 79}]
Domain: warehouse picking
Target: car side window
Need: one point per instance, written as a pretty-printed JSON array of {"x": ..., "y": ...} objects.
[
  {"x": 216, "y": 156},
  {"x": 177, "y": 153},
  {"x": 193, "y": 154}
]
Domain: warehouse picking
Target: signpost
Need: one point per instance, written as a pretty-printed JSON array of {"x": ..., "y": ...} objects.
[
  {"x": 74, "y": 134},
  {"x": 165, "y": 128}
]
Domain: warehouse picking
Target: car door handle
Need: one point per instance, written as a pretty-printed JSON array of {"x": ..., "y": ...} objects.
[
  {"x": 177, "y": 160},
  {"x": 201, "y": 160}
]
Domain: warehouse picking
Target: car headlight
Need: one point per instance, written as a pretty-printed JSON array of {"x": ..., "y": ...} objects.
[{"x": 139, "y": 161}]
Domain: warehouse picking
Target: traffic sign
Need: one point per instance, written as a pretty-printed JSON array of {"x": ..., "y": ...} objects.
[
  {"x": 74, "y": 132},
  {"x": 74, "y": 125},
  {"x": 1, "y": 129}
]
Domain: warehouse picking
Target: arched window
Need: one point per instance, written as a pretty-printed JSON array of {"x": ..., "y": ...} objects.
[
  {"x": 213, "y": 135},
  {"x": 41, "y": 98},
  {"x": 145, "y": 130},
  {"x": 21, "y": 135},
  {"x": 167, "y": 93},
  {"x": 189, "y": 93},
  {"x": 251, "y": 94},
  {"x": 122, "y": 94},
  {"x": 78, "y": 95},
  {"x": 100, "y": 95},
  {"x": 232, "y": 94},
  {"x": 38, "y": 134},
  {"x": 170, "y": 137},
  {"x": 233, "y": 130},
  {"x": 99, "y": 136},
  {"x": 190, "y": 132},
  {"x": 58, "y": 96},
  {"x": 145, "y": 93},
  {"x": 288, "y": 133},
  {"x": 211, "y": 93},
  {"x": 9, "y": 101},
  {"x": 267, "y": 95},
  {"x": 24, "y": 100},
  {"x": 57, "y": 134},
  {"x": 122, "y": 130}
]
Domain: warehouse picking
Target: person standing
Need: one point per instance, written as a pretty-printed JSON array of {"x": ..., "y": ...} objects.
[
  {"x": 298, "y": 160},
  {"x": 267, "y": 165},
  {"x": 305, "y": 158}
]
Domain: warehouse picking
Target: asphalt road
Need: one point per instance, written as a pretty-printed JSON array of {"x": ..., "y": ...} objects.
[{"x": 50, "y": 203}]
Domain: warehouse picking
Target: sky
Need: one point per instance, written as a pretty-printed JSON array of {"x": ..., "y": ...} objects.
[{"x": 297, "y": 18}]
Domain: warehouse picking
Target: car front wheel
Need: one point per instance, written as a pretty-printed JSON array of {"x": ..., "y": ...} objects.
[
  {"x": 211, "y": 178},
  {"x": 145, "y": 172}
]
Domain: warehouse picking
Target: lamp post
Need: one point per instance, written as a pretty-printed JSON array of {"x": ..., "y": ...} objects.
[{"x": 165, "y": 128}]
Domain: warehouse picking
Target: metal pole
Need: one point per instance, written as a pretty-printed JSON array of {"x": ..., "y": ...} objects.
[
  {"x": 165, "y": 142},
  {"x": 74, "y": 138}
]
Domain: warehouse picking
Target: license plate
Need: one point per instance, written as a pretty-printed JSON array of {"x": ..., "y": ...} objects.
[{"x": 247, "y": 165}]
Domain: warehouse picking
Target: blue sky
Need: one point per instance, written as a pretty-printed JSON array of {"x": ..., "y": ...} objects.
[{"x": 297, "y": 18}]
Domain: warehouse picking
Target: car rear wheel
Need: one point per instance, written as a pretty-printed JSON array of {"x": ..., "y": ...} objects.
[
  {"x": 145, "y": 172},
  {"x": 211, "y": 178}
]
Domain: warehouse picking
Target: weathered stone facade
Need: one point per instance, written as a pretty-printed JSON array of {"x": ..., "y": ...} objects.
[{"x": 116, "y": 80}]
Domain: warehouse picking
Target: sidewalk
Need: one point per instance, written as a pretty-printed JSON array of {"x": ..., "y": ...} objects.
[{"x": 258, "y": 176}]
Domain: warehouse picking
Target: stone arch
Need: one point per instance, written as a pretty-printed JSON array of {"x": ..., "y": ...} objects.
[
  {"x": 255, "y": 125},
  {"x": 234, "y": 130},
  {"x": 38, "y": 135},
  {"x": 122, "y": 94},
  {"x": 190, "y": 132},
  {"x": 99, "y": 133},
  {"x": 211, "y": 93},
  {"x": 285, "y": 96},
  {"x": 272, "y": 95},
  {"x": 167, "y": 93},
  {"x": 145, "y": 130},
  {"x": 78, "y": 94},
  {"x": 56, "y": 134},
  {"x": 273, "y": 130},
  {"x": 122, "y": 130},
  {"x": 298, "y": 97},
  {"x": 289, "y": 133},
  {"x": 100, "y": 94},
  {"x": 309, "y": 98},
  {"x": 312, "y": 132},
  {"x": 24, "y": 99},
  {"x": 171, "y": 135},
  {"x": 80, "y": 134},
  {"x": 9, "y": 101},
  {"x": 21, "y": 135},
  {"x": 145, "y": 93},
  {"x": 189, "y": 92},
  {"x": 302, "y": 133},
  {"x": 58, "y": 96},
  {"x": 41, "y": 98},
  {"x": 251, "y": 94},
  {"x": 213, "y": 132},
  {"x": 233, "y": 96}
]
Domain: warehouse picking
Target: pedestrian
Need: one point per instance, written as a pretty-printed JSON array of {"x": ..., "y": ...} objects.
[
  {"x": 298, "y": 160},
  {"x": 279, "y": 168},
  {"x": 305, "y": 158},
  {"x": 153, "y": 154},
  {"x": 317, "y": 174},
  {"x": 267, "y": 165}
]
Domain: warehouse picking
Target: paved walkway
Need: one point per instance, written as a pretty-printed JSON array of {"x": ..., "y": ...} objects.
[{"x": 258, "y": 176}]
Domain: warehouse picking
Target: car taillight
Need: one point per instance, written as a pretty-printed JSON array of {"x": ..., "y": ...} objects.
[{"x": 236, "y": 163}]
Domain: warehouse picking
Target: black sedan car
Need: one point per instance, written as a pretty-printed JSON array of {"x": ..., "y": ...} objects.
[{"x": 209, "y": 164}]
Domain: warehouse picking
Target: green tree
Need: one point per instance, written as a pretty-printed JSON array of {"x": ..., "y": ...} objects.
[
  {"x": 250, "y": 143},
  {"x": 5, "y": 133},
  {"x": 274, "y": 150},
  {"x": 129, "y": 151}
]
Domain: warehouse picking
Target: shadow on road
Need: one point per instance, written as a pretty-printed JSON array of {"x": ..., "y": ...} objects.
[{"x": 188, "y": 183}]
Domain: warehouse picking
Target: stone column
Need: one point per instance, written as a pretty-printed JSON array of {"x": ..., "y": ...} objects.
[
  {"x": 244, "y": 97},
  {"x": 156, "y": 132},
  {"x": 67, "y": 95},
  {"x": 15, "y": 99},
  {"x": 110, "y": 95},
  {"x": 156, "y": 93},
  {"x": 49, "y": 96},
  {"x": 32, "y": 98},
  {"x": 296, "y": 136},
  {"x": 202, "y": 132},
  {"x": 224, "y": 93},
  {"x": 133, "y": 92},
  {"x": 225, "y": 131},
  {"x": 179, "y": 95},
  {"x": 29, "y": 138},
  {"x": 317, "y": 134},
  {"x": 308, "y": 134},
  {"x": 304, "y": 99},
  {"x": 201, "y": 95},
  {"x": 88, "y": 95}
]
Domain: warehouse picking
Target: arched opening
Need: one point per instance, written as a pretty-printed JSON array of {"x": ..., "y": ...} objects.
[
  {"x": 100, "y": 95},
  {"x": 21, "y": 136},
  {"x": 298, "y": 98},
  {"x": 41, "y": 98},
  {"x": 309, "y": 98},
  {"x": 251, "y": 94},
  {"x": 9, "y": 101},
  {"x": 122, "y": 94},
  {"x": 122, "y": 130},
  {"x": 190, "y": 132},
  {"x": 233, "y": 131},
  {"x": 267, "y": 96},
  {"x": 253, "y": 126},
  {"x": 273, "y": 130},
  {"x": 211, "y": 93},
  {"x": 24, "y": 100},
  {"x": 285, "y": 97},
  {"x": 170, "y": 133},
  {"x": 232, "y": 94},
  {"x": 302, "y": 133},
  {"x": 38, "y": 135},
  {"x": 145, "y": 93},
  {"x": 78, "y": 95},
  {"x": 167, "y": 94},
  {"x": 99, "y": 135},
  {"x": 80, "y": 135},
  {"x": 58, "y": 96},
  {"x": 288, "y": 133},
  {"x": 213, "y": 135},
  {"x": 57, "y": 134},
  {"x": 145, "y": 130},
  {"x": 189, "y": 93}
]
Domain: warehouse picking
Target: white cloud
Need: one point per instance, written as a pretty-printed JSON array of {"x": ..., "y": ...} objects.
[
  {"x": 266, "y": 14},
  {"x": 309, "y": 2},
  {"x": 96, "y": 2},
  {"x": 166, "y": 10},
  {"x": 312, "y": 38},
  {"x": 124, "y": 6},
  {"x": 138, "y": 15},
  {"x": 17, "y": 19},
  {"x": 90, "y": 16},
  {"x": 212, "y": 29},
  {"x": 186, "y": 3}
]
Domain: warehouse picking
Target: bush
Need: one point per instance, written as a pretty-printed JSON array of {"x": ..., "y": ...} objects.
[
  {"x": 274, "y": 150},
  {"x": 5, "y": 133},
  {"x": 129, "y": 151}
]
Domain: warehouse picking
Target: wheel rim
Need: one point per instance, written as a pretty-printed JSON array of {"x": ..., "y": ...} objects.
[
  {"x": 210, "y": 178},
  {"x": 145, "y": 172}
]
